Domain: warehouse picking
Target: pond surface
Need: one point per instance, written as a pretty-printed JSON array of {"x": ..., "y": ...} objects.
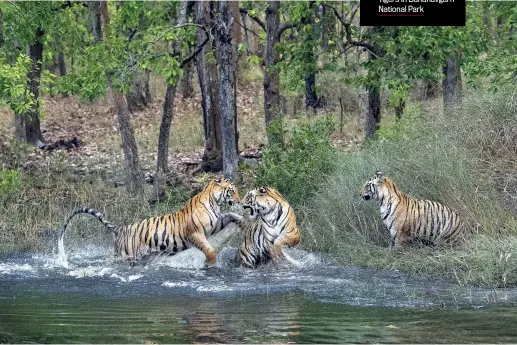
[{"x": 97, "y": 300}]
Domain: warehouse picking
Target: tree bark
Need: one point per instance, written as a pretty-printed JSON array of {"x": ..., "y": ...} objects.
[
  {"x": 451, "y": 83},
  {"x": 311, "y": 98},
  {"x": 129, "y": 147},
  {"x": 399, "y": 109},
  {"x": 373, "y": 116},
  {"x": 162, "y": 156},
  {"x": 61, "y": 64},
  {"x": 134, "y": 178},
  {"x": 187, "y": 89},
  {"x": 96, "y": 20},
  {"x": 271, "y": 74},
  {"x": 227, "y": 90},
  {"x": 209, "y": 85},
  {"x": 1, "y": 29},
  {"x": 27, "y": 126}
]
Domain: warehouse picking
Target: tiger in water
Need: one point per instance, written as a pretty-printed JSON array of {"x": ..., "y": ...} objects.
[
  {"x": 411, "y": 220},
  {"x": 171, "y": 233},
  {"x": 273, "y": 228}
]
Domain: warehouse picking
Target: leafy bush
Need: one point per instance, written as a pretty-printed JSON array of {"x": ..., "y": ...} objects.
[{"x": 295, "y": 166}]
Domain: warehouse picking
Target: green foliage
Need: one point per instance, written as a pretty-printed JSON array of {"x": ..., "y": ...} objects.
[
  {"x": 9, "y": 184},
  {"x": 14, "y": 90},
  {"x": 295, "y": 166}
]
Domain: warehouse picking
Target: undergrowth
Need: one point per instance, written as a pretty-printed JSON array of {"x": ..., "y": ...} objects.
[{"x": 428, "y": 156}]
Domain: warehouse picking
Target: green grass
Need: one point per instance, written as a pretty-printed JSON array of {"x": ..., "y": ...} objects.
[{"x": 431, "y": 157}]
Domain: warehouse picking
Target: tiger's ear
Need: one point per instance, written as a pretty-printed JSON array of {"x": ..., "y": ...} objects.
[
  {"x": 218, "y": 181},
  {"x": 379, "y": 176},
  {"x": 262, "y": 190}
]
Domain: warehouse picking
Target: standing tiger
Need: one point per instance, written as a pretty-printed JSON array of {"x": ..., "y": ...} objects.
[
  {"x": 274, "y": 227},
  {"x": 411, "y": 220},
  {"x": 171, "y": 233}
]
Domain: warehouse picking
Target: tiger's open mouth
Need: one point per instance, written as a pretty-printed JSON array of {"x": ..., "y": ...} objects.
[{"x": 252, "y": 210}]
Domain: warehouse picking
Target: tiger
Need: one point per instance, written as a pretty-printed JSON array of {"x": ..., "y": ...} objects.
[
  {"x": 274, "y": 226},
  {"x": 411, "y": 220},
  {"x": 174, "y": 232}
]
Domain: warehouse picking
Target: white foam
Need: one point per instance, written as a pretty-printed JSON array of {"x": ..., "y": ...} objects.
[
  {"x": 9, "y": 268},
  {"x": 177, "y": 284},
  {"x": 90, "y": 271},
  {"x": 61, "y": 255},
  {"x": 128, "y": 279}
]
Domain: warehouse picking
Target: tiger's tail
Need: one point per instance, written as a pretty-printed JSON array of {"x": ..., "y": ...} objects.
[
  {"x": 93, "y": 212},
  {"x": 62, "y": 257}
]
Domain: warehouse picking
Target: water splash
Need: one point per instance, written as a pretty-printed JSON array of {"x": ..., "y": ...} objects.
[{"x": 62, "y": 259}]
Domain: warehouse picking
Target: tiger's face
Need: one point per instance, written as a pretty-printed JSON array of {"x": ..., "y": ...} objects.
[
  {"x": 371, "y": 187},
  {"x": 260, "y": 201},
  {"x": 225, "y": 192}
]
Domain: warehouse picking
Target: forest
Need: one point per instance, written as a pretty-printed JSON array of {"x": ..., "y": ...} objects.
[{"x": 131, "y": 106}]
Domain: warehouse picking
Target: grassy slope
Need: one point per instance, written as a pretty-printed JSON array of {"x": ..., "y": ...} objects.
[{"x": 450, "y": 160}]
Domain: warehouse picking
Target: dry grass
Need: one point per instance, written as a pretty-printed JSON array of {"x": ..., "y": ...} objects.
[{"x": 429, "y": 156}]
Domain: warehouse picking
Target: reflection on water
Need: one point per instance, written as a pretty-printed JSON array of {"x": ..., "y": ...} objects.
[
  {"x": 98, "y": 301},
  {"x": 257, "y": 319}
]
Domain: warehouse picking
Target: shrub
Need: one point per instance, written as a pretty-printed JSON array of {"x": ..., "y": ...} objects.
[{"x": 295, "y": 166}]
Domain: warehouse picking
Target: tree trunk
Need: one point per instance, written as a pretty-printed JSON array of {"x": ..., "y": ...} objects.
[
  {"x": 227, "y": 90},
  {"x": 162, "y": 156},
  {"x": 27, "y": 126},
  {"x": 311, "y": 98},
  {"x": 129, "y": 147},
  {"x": 96, "y": 20},
  {"x": 373, "y": 115},
  {"x": 61, "y": 63},
  {"x": 1, "y": 29},
  {"x": 451, "y": 84},
  {"x": 399, "y": 109},
  {"x": 140, "y": 95},
  {"x": 134, "y": 178},
  {"x": 209, "y": 85},
  {"x": 271, "y": 74},
  {"x": 187, "y": 89}
]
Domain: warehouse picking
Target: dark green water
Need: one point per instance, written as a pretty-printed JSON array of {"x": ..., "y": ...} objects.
[
  {"x": 100, "y": 302},
  {"x": 76, "y": 318}
]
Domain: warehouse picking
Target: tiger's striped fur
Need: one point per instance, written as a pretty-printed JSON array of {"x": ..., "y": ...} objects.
[
  {"x": 274, "y": 227},
  {"x": 412, "y": 220},
  {"x": 171, "y": 233}
]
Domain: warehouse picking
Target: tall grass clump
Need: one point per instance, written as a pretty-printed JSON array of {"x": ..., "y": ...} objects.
[
  {"x": 297, "y": 164},
  {"x": 428, "y": 156}
]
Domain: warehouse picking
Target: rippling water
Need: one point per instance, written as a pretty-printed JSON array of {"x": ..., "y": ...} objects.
[{"x": 97, "y": 300}]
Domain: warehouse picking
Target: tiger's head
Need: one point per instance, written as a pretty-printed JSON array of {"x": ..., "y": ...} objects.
[
  {"x": 371, "y": 187},
  {"x": 265, "y": 202},
  {"x": 224, "y": 191}
]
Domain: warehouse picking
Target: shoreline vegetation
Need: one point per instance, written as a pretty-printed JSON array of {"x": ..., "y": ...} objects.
[{"x": 460, "y": 160}]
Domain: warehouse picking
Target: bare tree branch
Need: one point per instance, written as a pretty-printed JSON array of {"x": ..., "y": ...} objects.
[
  {"x": 198, "y": 49},
  {"x": 256, "y": 19},
  {"x": 281, "y": 28}
]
